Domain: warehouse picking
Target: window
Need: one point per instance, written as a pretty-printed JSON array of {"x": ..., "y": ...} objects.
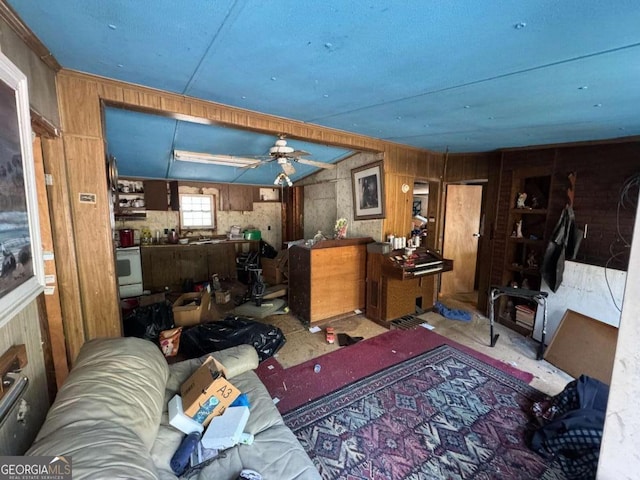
[{"x": 197, "y": 211}]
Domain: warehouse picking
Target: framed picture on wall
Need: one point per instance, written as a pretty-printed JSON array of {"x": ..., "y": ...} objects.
[
  {"x": 21, "y": 267},
  {"x": 368, "y": 191}
]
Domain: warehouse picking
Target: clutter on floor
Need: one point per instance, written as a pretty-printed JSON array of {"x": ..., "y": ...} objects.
[
  {"x": 571, "y": 428},
  {"x": 345, "y": 340},
  {"x": 330, "y": 335},
  {"x": 233, "y": 330},
  {"x": 452, "y": 313},
  {"x": 270, "y": 307}
]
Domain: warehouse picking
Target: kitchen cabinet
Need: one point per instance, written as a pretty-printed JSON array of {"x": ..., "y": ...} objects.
[
  {"x": 161, "y": 195},
  {"x": 240, "y": 198},
  {"x": 235, "y": 197},
  {"x": 135, "y": 197},
  {"x": 327, "y": 279},
  {"x": 170, "y": 266},
  {"x": 265, "y": 194}
]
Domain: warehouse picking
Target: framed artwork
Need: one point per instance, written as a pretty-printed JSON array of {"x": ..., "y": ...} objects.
[
  {"x": 368, "y": 191},
  {"x": 21, "y": 267}
]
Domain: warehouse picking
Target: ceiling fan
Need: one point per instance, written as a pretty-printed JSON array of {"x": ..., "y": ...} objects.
[{"x": 279, "y": 152}]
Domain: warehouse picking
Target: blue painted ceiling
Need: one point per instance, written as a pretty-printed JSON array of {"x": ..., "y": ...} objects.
[{"x": 467, "y": 76}]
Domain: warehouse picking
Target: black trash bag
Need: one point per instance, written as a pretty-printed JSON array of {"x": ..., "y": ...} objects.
[
  {"x": 147, "y": 322},
  {"x": 211, "y": 337},
  {"x": 574, "y": 423},
  {"x": 267, "y": 251}
]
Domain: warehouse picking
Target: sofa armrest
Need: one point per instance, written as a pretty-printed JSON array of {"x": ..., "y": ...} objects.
[{"x": 236, "y": 360}]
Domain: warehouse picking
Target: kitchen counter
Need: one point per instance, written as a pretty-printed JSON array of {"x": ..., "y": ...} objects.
[
  {"x": 198, "y": 243},
  {"x": 171, "y": 265}
]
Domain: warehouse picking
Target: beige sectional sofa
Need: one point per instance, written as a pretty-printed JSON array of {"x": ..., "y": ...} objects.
[{"x": 110, "y": 416}]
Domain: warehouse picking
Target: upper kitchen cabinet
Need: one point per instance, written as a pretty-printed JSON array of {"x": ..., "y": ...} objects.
[
  {"x": 236, "y": 197},
  {"x": 161, "y": 195}
]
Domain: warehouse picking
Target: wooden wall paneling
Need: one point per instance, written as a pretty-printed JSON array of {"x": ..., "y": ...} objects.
[
  {"x": 485, "y": 260},
  {"x": 93, "y": 236},
  {"x": 80, "y": 98},
  {"x": 398, "y": 205},
  {"x": 434, "y": 237},
  {"x": 67, "y": 279},
  {"x": 464, "y": 167},
  {"x": 130, "y": 96},
  {"x": 47, "y": 353},
  {"x": 24, "y": 328},
  {"x": 111, "y": 92},
  {"x": 79, "y": 106},
  {"x": 175, "y": 105},
  {"x": 225, "y": 115},
  {"x": 52, "y": 309}
]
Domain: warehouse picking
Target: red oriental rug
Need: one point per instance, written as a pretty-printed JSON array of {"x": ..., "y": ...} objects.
[
  {"x": 298, "y": 385},
  {"x": 440, "y": 415}
]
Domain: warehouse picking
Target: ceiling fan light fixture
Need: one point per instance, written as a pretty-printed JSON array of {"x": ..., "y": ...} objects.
[
  {"x": 282, "y": 178},
  {"x": 209, "y": 159}
]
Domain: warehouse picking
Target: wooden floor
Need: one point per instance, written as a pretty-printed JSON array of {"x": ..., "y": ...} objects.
[{"x": 511, "y": 348}]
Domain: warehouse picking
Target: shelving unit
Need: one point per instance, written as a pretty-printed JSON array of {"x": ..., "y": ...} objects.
[
  {"x": 135, "y": 197},
  {"x": 130, "y": 202},
  {"x": 525, "y": 239}
]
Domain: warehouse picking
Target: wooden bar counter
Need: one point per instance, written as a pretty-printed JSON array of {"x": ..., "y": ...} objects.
[
  {"x": 169, "y": 265},
  {"x": 327, "y": 279}
]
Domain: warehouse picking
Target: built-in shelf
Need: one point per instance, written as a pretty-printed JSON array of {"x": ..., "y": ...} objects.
[
  {"x": 525, "y": 271},
  {"x": 529, "y": 211},
  {"x": 528, "y": 241}
]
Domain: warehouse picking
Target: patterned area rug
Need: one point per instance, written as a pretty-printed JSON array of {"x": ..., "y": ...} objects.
[{"x": 440, "y": 415}]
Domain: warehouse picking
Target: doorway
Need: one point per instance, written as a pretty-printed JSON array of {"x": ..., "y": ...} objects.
[{"x": 462, "y": 230}]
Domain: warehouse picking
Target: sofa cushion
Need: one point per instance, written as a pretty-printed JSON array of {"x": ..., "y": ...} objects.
[
  {"x": 119, "y": 382},
  {"x": 263, "y": 415},
  {"x": 276, "y": 454},
  {"x": 99, "y": 450}
]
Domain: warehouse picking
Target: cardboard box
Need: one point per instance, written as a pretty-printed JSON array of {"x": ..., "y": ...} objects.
[
  {"x": 207, "y": 393},
  {"x": 225, "y": 430},
  {"x": 191, "y": 308},
  {"x": 270, "y": 271},
  {"x": 223, "y": 296}
]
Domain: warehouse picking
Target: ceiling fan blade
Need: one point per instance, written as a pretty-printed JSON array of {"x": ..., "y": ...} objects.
[
  {"x": 313, "y": 163},
  {"x": 288, "y": 168},
  {"x": 298, "y": 153}
]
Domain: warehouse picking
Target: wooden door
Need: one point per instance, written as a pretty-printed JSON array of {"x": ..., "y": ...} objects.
[
  {"x": 461, "y": 227},
  {"x": 54, "y": 341}
]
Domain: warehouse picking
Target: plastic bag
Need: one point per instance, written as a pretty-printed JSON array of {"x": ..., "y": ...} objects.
[
  {"x": 170, "y": 341},
  {"x": 210, "y": 337},
  {"x": 267, "y": 251},
  {"x": 147, "y": 322}
]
